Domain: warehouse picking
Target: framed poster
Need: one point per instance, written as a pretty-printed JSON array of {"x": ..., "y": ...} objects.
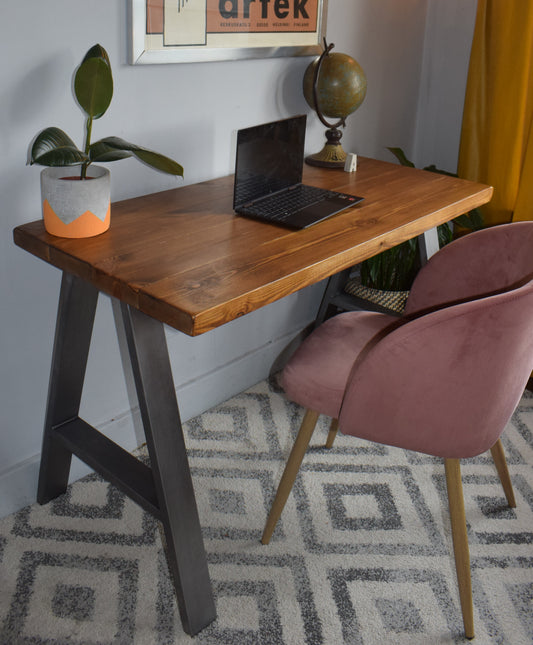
[{"x": 186, "y": 31}]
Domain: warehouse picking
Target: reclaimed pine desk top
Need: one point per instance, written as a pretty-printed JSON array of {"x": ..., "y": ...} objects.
[{"x": 184, "y": 258}]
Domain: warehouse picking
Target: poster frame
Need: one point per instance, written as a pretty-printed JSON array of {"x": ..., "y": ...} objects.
[{"x": 144, "y": 51}]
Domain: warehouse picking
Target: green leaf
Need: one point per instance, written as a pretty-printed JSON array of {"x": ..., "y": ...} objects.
[
  {"x": 152, "y": 159},
  {"x": 400, "y": 155},
  {"x": 473, "y": 220},
  {"x": 159, "y": 162},
  {"x": 445, "y": 235},
  {"x": 93, "y": 86},
  {"x": 393, "y": 269},
  {"x": 97, "y": 51},
  {"x": 53, "y": 147},
  {"x": 433, "y": 168},
  {"x": 100, "y": 152},
  {"x": 476, "y": 216}
]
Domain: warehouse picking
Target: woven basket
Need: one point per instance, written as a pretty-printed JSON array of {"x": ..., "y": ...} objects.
[{"x": 393, "y": 300}]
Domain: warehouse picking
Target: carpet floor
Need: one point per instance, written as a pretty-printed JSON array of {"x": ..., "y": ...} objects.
[{"x": 362, "y": 554}]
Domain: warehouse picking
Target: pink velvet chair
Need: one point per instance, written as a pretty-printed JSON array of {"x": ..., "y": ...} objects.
[{"x": 442, "y": 380}]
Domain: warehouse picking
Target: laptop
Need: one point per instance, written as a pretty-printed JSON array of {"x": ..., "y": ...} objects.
[{"x": 268, "y": 177}]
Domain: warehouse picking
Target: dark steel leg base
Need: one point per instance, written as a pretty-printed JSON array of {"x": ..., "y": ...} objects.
[
  {"x": 165, "y": 489},
  {"x": 170, "y": 468},
  {"x": 74, "y": 326}
]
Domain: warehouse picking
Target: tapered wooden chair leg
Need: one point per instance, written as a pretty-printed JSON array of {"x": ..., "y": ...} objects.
[
  {"x": 501, "y": 466},
  {"x": 289, "y": 474},
  {"x": 333, "y": 429},
  {"x": 460, "y": 541}
]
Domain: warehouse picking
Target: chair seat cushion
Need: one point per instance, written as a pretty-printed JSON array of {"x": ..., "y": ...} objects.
[{"x": 317, "y": 372}]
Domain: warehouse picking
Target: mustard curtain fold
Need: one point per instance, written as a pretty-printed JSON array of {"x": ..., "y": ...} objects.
[{"x": 497, "y": 135}]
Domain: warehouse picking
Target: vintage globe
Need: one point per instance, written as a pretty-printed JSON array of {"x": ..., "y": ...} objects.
[{"x": 341, "y": 85}]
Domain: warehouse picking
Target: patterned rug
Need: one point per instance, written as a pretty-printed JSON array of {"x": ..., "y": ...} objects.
[{"x": 362, "y": 554}]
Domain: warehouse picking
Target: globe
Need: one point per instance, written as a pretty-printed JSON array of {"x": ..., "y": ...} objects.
[
  {"x": 341, "y": 85},
  {"x": 334, "y": 85}
]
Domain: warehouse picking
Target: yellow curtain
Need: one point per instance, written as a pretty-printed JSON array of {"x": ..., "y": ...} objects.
[{"x": 497, "y": 136}]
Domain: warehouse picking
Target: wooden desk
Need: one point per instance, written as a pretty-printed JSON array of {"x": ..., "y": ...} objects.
[{"x": 182, "y": 258}]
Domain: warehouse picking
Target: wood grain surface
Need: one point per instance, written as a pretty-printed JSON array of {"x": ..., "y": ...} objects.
[{"x": 183, "y": 257}]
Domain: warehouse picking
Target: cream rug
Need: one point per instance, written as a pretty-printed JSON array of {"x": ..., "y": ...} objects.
[{"x": 362, "y": 555}]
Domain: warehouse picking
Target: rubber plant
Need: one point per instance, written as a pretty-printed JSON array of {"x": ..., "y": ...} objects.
[
  {"x": 396, "y": 268},
  {"x": 93, "y": 89}
]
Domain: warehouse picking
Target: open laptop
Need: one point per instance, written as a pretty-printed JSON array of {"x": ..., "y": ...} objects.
[{"x": 268, "y": 177}]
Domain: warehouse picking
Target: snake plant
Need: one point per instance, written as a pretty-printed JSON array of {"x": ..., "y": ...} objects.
[{"x": 93, "y": 88}]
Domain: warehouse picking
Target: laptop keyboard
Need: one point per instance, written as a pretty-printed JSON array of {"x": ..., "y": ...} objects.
[{"x": 279, "y": 206}]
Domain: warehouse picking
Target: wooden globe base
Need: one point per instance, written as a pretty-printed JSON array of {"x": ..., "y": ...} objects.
[{"x": 332, "y": 155}]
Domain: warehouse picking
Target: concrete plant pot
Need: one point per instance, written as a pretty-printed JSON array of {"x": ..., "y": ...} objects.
[{"x": 74, "y": 207}]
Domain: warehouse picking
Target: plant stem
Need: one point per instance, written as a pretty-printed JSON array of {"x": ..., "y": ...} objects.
[{"x": 88, "y": 131}]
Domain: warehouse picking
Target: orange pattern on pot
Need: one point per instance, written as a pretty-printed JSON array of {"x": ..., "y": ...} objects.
[{"x": 86, "y": 225}]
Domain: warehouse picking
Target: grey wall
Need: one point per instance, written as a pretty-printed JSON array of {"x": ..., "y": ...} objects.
[
  {"x": 448, "y": 39},
  {"x": 190, "y": 112}
]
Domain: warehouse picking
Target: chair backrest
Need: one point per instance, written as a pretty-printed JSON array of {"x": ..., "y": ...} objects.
[
  {"x": 445, "y": 383},
  {"x": 478, "y": 264}
]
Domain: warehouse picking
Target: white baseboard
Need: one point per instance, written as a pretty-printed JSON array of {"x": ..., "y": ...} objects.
[{"x": 18, "y": 484}]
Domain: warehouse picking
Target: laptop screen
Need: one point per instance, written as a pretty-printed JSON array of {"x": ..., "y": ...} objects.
[{"x": 269, "y": 158}]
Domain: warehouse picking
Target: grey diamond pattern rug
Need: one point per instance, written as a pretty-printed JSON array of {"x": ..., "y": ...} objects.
[{"x": 362, "y": 554}]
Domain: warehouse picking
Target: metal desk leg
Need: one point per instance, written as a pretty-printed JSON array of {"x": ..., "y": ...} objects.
[
  {"x": 334, "y": 287},
  {"x": 428, "y": 243},
  {"x": 170, "y": 468},
  {"x": 166, "y": 489},
  {"x": 75, "y": 318}
]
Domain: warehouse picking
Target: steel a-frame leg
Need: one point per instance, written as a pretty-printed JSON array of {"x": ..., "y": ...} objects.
[
  {"x": 170, "y": 468},
  {"x": 165, "y": 489},
  {"x": 74, "y": 326}
]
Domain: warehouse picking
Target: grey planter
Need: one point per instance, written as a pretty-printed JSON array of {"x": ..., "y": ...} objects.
[{"x": 74, "y": 207}]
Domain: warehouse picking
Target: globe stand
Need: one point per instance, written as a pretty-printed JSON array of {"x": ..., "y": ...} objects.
[{"x": 332, "y": 155}]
